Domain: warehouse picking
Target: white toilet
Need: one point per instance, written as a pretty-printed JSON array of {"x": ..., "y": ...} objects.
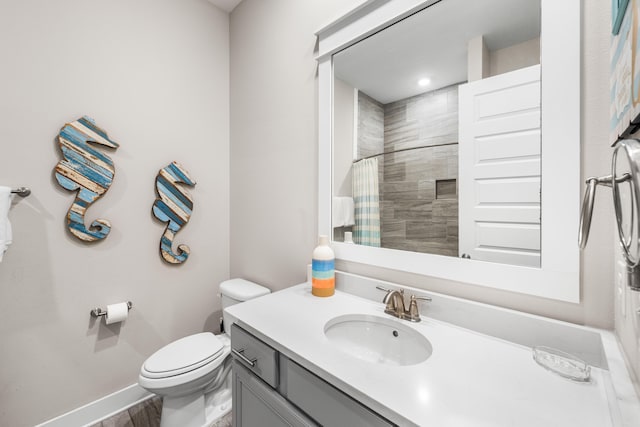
[{"x": 192, "y": 374}]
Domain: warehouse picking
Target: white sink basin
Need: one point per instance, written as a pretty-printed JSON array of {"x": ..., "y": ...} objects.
[{"x": 378, "y": 339}]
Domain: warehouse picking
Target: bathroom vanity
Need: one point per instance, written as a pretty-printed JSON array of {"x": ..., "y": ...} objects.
[
  {"x": 478, "y": 369},
  {"x": 290, "y": 391}
]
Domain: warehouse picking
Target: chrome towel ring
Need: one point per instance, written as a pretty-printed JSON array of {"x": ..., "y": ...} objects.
[
  {"x": 624, "y": 182},
  {"x": 587, "y": 204}
]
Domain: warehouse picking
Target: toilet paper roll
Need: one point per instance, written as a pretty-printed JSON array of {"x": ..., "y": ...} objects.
[{"x": 116, "y": 313}]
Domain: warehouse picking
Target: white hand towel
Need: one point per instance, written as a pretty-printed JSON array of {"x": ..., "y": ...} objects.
[
  {"x": 342, "y": 212},
  {"x": 348, "y": 211},
  {"x": 6, "y": 237},
  {"x": 337, "y": 210}
]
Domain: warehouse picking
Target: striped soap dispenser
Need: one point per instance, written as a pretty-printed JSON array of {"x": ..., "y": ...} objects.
[{"x": 323, "y": 282}]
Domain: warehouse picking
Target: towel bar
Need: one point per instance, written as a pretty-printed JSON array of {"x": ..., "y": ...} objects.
[{"x": 21, "y": 191}]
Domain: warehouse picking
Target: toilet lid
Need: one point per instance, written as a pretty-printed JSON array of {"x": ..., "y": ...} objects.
[
  {"x": 183, "y": 355},
  {"x": 242, "y": 290}
]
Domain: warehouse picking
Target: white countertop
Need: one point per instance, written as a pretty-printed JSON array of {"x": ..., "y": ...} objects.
[{"x": 471, "y": 379}]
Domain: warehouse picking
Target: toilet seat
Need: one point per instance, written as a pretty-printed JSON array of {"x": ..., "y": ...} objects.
[{"x": 203, "y": 350}]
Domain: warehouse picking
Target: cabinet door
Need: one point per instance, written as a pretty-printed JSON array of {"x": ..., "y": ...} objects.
[{"x": 256, "y": 405}]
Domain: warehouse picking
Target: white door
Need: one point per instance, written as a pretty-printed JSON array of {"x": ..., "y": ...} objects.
[{"x": 499, "y": 170}]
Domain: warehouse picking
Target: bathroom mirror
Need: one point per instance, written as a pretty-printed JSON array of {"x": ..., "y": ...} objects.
[
  {"x": 545, "y": 206},
  {"x": 439, "y": 180}
]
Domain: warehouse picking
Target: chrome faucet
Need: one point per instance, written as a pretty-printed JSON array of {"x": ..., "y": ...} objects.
[{"x": 394, "y": 300}]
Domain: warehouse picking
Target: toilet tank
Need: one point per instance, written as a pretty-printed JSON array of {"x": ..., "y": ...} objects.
[{"x": 234, "y": 291}]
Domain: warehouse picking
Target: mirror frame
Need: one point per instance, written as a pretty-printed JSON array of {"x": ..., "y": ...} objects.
[{"x": 559, "y": 274}]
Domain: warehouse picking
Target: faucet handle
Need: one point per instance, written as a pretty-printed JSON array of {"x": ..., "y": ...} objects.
[
  {"x": 390, "y": 290},
  {"x": 385, "y": 300},
  {"x": 414, "y": 315}
]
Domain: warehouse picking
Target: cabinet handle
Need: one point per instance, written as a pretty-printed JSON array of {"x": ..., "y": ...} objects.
[{"x": 241, "y": 356}]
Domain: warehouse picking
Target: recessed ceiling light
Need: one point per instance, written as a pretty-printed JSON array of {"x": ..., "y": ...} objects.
[{"x": 424, "y": 82}]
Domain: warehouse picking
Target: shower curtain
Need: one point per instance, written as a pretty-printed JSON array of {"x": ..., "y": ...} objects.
[{"x": 366, "y": 200}]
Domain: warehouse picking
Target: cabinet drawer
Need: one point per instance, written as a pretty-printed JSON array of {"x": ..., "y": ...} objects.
[
  {"x": 321, "y": 401},
  {"x": 255, "y": 355}
]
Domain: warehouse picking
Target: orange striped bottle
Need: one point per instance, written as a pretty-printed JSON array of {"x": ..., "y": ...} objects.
[{"x": 323, "y": 282}]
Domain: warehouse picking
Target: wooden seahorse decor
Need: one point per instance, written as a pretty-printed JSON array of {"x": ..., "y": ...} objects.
[
  {"x": 87, "y": 170},
  {"x": 173, "y": 206}
]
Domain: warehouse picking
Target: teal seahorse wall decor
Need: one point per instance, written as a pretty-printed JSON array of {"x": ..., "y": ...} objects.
[
  {"x": 173, "y": 206},
  {"x": 88, "y": 171}
]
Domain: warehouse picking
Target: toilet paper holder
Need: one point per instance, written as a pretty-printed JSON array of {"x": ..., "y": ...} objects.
[{"x": 97, "y": 312}]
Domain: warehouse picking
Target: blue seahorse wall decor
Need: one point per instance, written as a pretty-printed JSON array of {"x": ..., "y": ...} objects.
[
  {"x": 173, "y": 206},
  {"x": 88, "y": 171}
]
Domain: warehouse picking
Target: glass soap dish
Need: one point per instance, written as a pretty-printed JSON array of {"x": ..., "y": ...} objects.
[{"x": 561, "y": 363}]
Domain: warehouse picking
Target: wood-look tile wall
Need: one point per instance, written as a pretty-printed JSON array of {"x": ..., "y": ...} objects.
[
  {"x": 414, "y": 216},
  {"x": 426, "y": 119},
  {"x": 370, "y": 126}
]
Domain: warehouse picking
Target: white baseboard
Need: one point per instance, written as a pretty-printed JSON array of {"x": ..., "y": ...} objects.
[{"x": 100, "y": 409}]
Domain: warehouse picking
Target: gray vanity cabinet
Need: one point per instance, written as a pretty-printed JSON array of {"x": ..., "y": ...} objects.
[
  {"x": 271, "y": 390},
  {"x": 256, "y": 402},
  {"x": 257, "y": 405}
]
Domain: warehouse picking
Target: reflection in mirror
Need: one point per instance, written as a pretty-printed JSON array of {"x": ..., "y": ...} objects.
[
  {"x": 625, "y": 183},
  {"x": 436, "y": 133}
]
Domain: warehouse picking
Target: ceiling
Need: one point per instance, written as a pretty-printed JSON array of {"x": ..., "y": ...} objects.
[
  {"x": 433, "y": 44},
  {"x": 226, "y": 5}
]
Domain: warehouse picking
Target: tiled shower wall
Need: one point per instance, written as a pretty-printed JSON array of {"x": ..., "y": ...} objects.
[
  {"x": 371, "y": 133},
  {"x": 418, "y": 189},
  {"x": 370, "y": 126}
]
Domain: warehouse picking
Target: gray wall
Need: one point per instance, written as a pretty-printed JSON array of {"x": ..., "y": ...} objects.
[
  {"x": 514, "y": 57},
  {"x": 274, "y": 136},
  {"x": 155, "y": 75},
  {"x": 283, "y": 136},
  {"x": 343, "y": 131}
]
